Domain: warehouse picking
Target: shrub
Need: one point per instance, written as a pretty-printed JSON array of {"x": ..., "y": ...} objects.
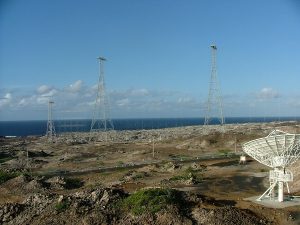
[
  {"x": 73, "y": 183},
  {"x": 2, "y": 160},
  {"x": 189, "y": 170},
  {"x": 5, "y": 176},
  {"x": 120, "y": 163},
  {"x": 62, "y": 206},
  {"x": 140, "y": 175},
  {"x": 224, "y": 151},
  {"x": 151, "y": 200},
  {"x": 178, "y": 177},
  {"x": 188, "y": 174}
]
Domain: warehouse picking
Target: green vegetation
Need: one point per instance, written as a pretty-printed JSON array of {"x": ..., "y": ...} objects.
[
  {"x": 73, "y": 183},
  {"x": 4, "y": 159},
  {"x": 180, "y": 157},
  {"x": 62, "y": 206},
  {"x": 100, "y": 163},
  {"x": 120, "y": 163},
  {"x": 179, "y": 177},
  {"x": 139, "y": 175},
  {"x": 5, "y": 176},
  {"x": 224, "y": 152},
  {"x": 188, "y": 174},
  {"x": 213, "y": 141},
  {"x": 152, "y": 200}
]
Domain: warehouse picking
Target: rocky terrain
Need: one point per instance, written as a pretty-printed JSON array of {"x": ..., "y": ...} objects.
[
  {"x": 186, "y": 175},
  {"x": 100, "y": 206}
]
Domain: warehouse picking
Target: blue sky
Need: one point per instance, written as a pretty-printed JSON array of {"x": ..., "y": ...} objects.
[{"x": 158, "y": 57}]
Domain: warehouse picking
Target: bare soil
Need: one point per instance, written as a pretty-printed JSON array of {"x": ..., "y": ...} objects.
[{"x": 201, "y": 162}]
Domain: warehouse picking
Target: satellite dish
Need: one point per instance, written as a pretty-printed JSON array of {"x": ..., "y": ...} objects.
[{"x": 278, "y": 150}]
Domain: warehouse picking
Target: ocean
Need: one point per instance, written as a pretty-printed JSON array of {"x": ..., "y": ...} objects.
[{"x": 38, "y": 127}]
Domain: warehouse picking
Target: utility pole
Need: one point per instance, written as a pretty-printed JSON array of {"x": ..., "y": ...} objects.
[
  {"x": 25, "y": 148},
  {"x": 214, "y": 101},
  {"x": 235, "y": 145},
  {"x": 153, "y": 152},
  {"x": 101, "y": 120}
]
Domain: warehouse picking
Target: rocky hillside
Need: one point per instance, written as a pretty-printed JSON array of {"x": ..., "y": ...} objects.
[{"x": 113, "y": 206}]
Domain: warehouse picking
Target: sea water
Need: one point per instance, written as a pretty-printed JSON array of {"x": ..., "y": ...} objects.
[{"x": 38, "y": 127}]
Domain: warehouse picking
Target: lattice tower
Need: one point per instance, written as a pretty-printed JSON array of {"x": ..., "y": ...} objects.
[
  {"x": 50, "y": 133},
  {"x": 101, "y": 118},
  {"x": 214, "y": 105}
]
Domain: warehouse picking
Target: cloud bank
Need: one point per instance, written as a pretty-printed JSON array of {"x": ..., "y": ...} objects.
[{"x": 77, "y": 100}]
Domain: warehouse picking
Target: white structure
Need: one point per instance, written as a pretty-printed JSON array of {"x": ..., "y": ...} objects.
[
  {"x": 278, "y": 150},
  {"x": 243, "y": 159},
  {"x": 101, "y": 120},
  {"x": 214, "y": 105}
]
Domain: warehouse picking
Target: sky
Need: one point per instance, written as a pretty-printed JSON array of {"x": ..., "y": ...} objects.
[{"x": 158, "y": 57}]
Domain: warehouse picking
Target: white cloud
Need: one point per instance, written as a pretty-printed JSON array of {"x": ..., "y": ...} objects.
[
  {"x": 46, "y": 91},
  {"x": 6, "y": 100},
  {"x": 90, "y": 103},
  {"x": 132, "y": 93},
  {"x": 267, "y": 93},
  {"x": 77, "y": 99},
  {"x": 94, "y": 87},
  {"x": 91, "y": 91},
  {"x": 42, "y": 100},
  {"x": 43, "y": 89},
  {"x": 123, "y": 102},
  {"x": 184, "y": 100},
  {"x": 23, "y": 102},
  {"x": 8, "y": 96},
  {"x": 50, "y": 93},
  {"x": 294, "y": 102},
  {"x": 139, "y": 92},
  {"x": 75, "y": 87}
]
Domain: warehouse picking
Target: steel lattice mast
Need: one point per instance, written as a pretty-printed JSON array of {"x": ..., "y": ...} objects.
[
  {"x": 101, "y": 120},
  {"x": 214, "y": 100},
  {"x": 50, "y": 133}
]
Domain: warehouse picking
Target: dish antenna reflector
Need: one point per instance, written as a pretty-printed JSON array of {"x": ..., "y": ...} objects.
[{"x": 278, "y": 150}]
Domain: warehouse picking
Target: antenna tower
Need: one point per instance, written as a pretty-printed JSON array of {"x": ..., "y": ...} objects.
[
  {"x": 50, "y": 133},
  {"x": 101, "y": 120},
  {"x": 214, "y": 101}
]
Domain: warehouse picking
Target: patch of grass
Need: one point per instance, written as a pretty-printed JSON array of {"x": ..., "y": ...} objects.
[
  {"x": 224, "y": 152},
  {"x": 189, "y": 173},
  {"x": 179, "y": 177},
  {"x": 5, "y": 176},
  {"x": 2, "y": 160},
  {"x": 189, "y": 170},
  {"x": 140, "y": 175},
  {"x": 179, "y": 157},
  {"x": 73, "y": 183},
  {"x": 45, "y": 175},
  {"x": 62, "y": 206},
  {"x": 100, "y": 163},
  {"x": 120, "y": 163},
  {"x": 152, "y": 200}
]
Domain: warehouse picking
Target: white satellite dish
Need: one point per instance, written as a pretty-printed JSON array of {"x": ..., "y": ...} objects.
[{"x": 278, "y": 150}]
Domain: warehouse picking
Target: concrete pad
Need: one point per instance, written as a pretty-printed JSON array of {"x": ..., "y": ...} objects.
[{"x": 288, "y": 202}]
